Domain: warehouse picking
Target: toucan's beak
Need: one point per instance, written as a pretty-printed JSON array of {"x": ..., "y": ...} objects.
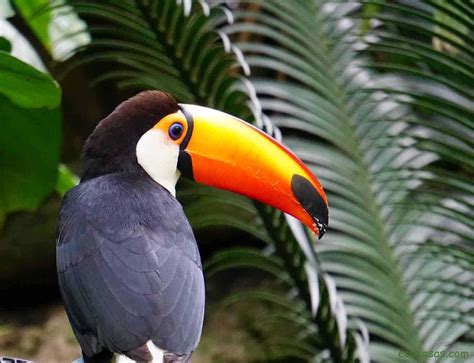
[{"x": 227, "y": 153}]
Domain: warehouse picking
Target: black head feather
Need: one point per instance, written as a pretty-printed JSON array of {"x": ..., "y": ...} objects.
[{"x": 111, "y": 146}]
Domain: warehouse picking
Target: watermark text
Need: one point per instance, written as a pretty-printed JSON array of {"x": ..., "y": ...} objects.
[{"x": 435, "y": 354}]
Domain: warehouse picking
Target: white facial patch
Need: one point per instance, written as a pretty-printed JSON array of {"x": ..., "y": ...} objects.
[{"x": 158, "y": 155}]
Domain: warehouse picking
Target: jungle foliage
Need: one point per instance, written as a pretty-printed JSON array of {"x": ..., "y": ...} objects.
[{"x": 375, "y": 96}]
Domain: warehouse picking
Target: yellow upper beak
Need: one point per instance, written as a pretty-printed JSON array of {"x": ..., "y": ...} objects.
[{"x": 227, "y": 153}]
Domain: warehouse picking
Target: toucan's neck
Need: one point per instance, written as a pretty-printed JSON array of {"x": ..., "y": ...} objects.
[
  {"x": 96, "y": 167},
  {"x": 126, "y": 163}
]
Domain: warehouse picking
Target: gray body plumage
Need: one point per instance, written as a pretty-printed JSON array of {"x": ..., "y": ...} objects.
[{"x": 129, "y": 267}]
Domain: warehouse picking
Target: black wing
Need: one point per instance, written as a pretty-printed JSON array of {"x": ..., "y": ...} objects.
[{"x": 128, "y": 266}]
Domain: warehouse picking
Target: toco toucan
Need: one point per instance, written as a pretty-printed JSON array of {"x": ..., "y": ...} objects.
[{"x": 128, "y": 264}]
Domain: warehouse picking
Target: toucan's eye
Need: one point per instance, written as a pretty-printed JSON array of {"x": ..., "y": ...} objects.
[{"x": 175, "y": 130}]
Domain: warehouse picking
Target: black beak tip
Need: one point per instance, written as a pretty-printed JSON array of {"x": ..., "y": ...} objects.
[
  {"x": 311, "y": 201},
  {"x": 321, "y": 228}
]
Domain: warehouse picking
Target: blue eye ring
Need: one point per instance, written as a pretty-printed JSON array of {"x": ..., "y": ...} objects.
[{"x": 175, "y": 130}]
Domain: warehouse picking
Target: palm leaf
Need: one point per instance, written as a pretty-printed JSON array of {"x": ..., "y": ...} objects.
[{"x": 382, "y": 145}]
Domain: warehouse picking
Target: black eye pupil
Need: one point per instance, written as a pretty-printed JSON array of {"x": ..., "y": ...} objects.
[{"x": 175, "y": 131}]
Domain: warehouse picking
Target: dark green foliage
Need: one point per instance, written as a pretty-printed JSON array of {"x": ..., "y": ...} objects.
[
  {"x": 5, "y": 45},
  {"x": 392, "y": 149},
  {"x": 29, "y": 141}
]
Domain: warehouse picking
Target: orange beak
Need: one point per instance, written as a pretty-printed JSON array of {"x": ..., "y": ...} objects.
[{"x": 227, "y": 153}]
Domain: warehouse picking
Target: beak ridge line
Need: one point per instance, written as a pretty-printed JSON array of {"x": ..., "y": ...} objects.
[{"x": 189, "y": 119}]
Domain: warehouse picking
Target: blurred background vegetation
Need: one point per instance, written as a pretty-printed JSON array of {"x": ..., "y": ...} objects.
[{"x": 376, "y": 96}]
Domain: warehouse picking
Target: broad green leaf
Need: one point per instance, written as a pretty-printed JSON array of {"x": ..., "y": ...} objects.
[
  {"x": 25, "y": 86},
  {"x": 30, "y": 134}
]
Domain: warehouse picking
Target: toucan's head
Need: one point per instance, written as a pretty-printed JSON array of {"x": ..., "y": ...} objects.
[{"x": 152, "y": 133}]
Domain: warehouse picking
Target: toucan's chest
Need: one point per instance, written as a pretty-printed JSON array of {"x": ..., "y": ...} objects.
[{"x": 123, "y": 206}]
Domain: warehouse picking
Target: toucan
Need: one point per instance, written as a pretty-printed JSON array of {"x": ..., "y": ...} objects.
[{"x": 129, "y": 268}]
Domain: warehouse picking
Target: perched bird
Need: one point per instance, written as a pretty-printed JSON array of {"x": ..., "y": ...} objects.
[{"x": 128, "y": 264}]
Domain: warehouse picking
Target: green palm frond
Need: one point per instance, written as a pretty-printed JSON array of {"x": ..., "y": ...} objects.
[
  {"x": 156, "y": 45},
  {"x": 393, "y": 149}
]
